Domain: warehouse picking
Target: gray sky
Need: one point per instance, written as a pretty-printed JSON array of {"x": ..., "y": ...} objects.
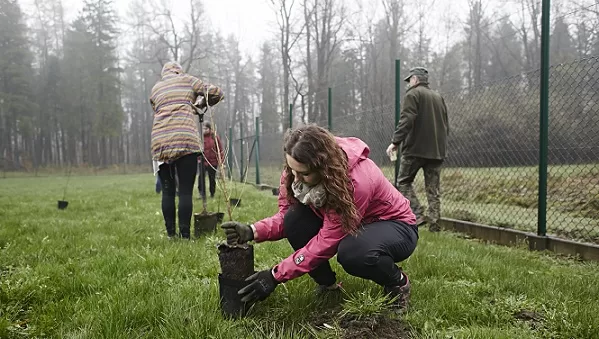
[
  {"x": 254, "y": 21},
  {"x": 246, "y": 19}
]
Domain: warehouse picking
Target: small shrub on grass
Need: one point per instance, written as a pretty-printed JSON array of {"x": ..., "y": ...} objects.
[{"x": 365, "y": 305}]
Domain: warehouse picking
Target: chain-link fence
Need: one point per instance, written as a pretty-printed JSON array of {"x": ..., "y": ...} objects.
[
  {"x": 573, "y": 185},
  {"x": 491, "y": 173}
]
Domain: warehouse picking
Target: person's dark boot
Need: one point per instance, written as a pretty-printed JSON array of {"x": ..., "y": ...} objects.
[
  {"x": 184, "y": 230},
  {"x": 400, "y": 295},
  {"x": 434, "y": 227},
  {"x": 324, "y": 289},
  {"x": 170, "y": 230}
]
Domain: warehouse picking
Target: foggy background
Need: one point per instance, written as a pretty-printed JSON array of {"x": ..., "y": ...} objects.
[{"x": 75, "y": 76}]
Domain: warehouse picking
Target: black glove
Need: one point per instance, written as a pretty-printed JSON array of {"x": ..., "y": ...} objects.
[
  {"x": 237, "y": 233},
  {"x": 261, "y": 285}
]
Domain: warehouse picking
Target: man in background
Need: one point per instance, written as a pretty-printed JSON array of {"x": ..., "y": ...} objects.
[{"x": 421, "y": 136}]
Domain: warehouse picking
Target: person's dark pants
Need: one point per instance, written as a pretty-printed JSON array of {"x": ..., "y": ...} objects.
[
  {"x": 301, "y": 224},
  {"x": 409, "y": 167},
  {"x": 185, "y": 169},
  {"x": 204, "y": 168},
  {"x": 371, "y": 254}
]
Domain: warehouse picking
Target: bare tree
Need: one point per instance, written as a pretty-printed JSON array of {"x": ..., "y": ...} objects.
[
  {"x": 395, "y": 18},
  {"x": 308, "y": 11},
  {"x": 587, "y": 27},
  {"x": 326, "y": 22},
  {"x": 423, "y": 47},
  {"x": 361, "y": 26},
  {"x": 474, "y": 42},
  {"x": 532, "y": 45},
  {"x": 284, "y": 9},
  {"x": 445, "y": 64},
  {"x": 181, "y": 43}
]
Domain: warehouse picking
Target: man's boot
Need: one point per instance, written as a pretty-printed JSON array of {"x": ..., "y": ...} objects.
[{"x": 434, "y": 227}]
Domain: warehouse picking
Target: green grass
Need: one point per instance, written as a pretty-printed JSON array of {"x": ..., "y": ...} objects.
[
  {"x": 29, "y": 171},
  {"x": 103, "y": 268}
]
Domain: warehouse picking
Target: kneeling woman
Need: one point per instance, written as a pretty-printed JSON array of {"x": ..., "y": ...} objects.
[{"x": 333, "y": 200}]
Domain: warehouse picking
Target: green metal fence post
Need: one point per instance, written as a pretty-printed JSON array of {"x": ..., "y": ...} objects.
[
  {"x": 290, "y": 116},
  {"x": 257, "y": 151},
  {"x": 330, "y": 117},
  {"x": 544, "y": 120},
  {"x": 241, "y": 155},
  {"x": 397, "y": 112},
  {"x": 230, "y": 155}
]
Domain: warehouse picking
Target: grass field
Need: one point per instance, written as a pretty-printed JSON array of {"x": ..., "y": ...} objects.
[{"x": 103, "y": 268}]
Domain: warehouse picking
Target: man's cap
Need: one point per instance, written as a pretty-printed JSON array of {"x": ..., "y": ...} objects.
[{"x": 416, "y": 71}]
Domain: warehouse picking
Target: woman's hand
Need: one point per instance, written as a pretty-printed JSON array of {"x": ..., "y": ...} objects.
[
  {"x": 237, "y": 233},
  {"x": 261, "y": 285}
]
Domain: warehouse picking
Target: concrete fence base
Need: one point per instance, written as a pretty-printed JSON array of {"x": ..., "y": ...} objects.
[{"x": 510, "y": 237}]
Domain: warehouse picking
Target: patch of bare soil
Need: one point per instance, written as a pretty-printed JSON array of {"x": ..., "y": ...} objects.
[
  {"x": 351, "y": 327},
  {"x": 534, "y": 319}
]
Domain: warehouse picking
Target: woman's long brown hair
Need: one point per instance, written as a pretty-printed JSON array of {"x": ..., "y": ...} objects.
[{"x": 316, "y": 148}]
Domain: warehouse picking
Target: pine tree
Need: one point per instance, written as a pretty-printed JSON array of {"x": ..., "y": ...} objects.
[
  {"x": 16, "y": 102},
  {"x": 268, "y": 83}
]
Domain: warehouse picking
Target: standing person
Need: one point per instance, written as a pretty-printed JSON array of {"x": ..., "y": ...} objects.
[
  {"x": 176, "y": 140},
  {"x": 209, "y": 162},
  {"x": 333, "y": 200},
  {"x": 422, "y": 136}
]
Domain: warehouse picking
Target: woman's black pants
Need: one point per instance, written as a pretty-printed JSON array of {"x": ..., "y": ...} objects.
[{"x": 370, "y": 254}]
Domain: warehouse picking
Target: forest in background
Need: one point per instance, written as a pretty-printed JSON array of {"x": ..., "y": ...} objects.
[{"x": 72, "y": 93}]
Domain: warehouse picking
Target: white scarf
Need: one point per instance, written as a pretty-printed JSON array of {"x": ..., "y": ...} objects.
[{"x": 314, "y": 195}]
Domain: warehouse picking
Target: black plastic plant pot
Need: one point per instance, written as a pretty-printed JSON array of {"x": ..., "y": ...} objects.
[
  {"x": 275, "y": 191},
  {"x": 62, "y": 204},
  {"x": 220, "y": 216},
  {"x": 230, "y": 302},
  {"x": 204, "y": 223},
  {"x": 236, "y": 263},
  {"x": 235, "y": 202}
]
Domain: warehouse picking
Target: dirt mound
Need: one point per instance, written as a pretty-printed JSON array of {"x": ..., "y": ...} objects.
[
  {"x": 383, "y": 326},
  {"x": 534, "y": 319}
]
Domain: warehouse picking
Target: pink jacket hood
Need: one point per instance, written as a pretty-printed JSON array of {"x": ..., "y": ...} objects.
[
  {"x": 375, "y": 197},
  {"x": 355, "y": 148}
]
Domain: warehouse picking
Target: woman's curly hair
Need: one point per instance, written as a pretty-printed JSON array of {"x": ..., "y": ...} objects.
[{"x": 317, "y": 148}]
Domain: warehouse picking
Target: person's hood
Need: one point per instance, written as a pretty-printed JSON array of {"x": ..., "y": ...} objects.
[
  {"x": 171, "y": 68},
  {"x": 356, "y": 149}
]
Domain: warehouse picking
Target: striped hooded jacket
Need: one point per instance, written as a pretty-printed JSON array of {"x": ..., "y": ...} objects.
[{"x": 175, "y": 130}]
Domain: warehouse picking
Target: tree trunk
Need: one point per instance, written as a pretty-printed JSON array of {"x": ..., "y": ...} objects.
[{"x": 309, "y": 75}]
